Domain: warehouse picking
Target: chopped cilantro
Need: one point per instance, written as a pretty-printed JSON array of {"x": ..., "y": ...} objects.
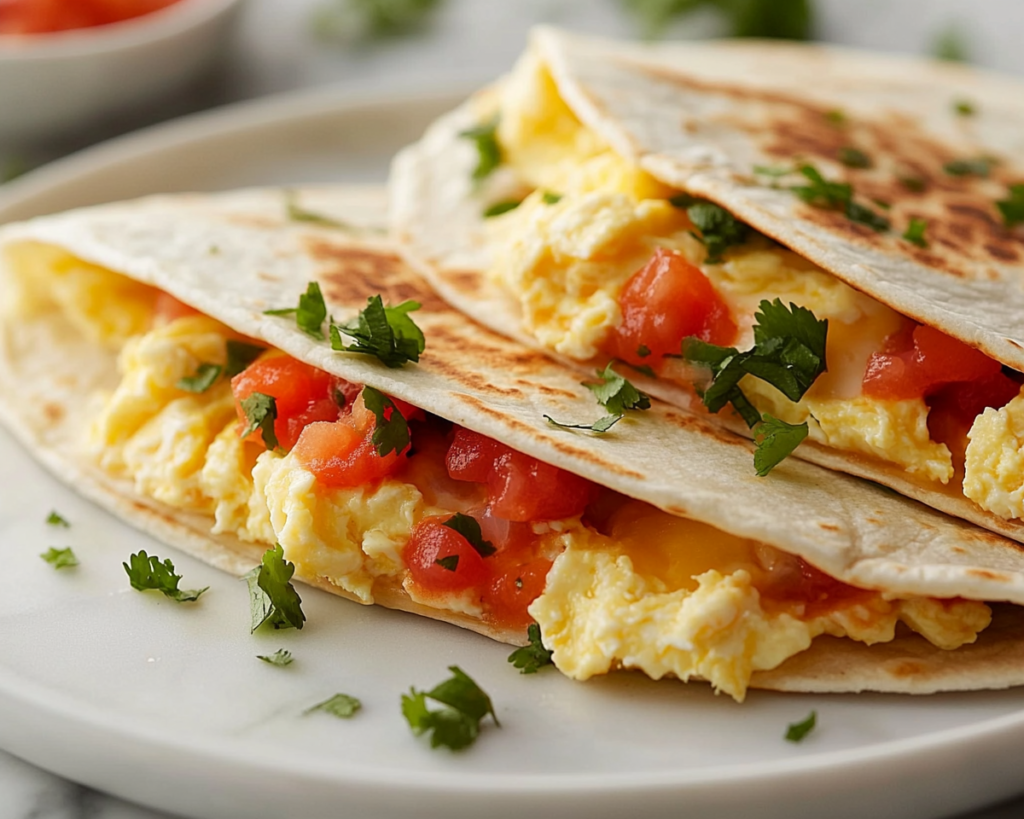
[
  {"x": 148, "y": 573},
  {"x": 914, "y": 184},
  {"x": 450, "y": 562},
  {"x": 392, "y": 432},
  {"x": 281, "y": 657},
  {"x": 272, "y": 597},
  {"x": 1012, "y": 208},
  {"x": 205, "y": 376},
  {"x": 310, "y": 314},
  {"x": 550, "y": 198},
  {"x": 55, "y": 519},
  {"x": 340, "y": 705},
  {"x": 777, "y": 19},
  {"x": 469, "y": 528},
  {"x": 951, "y": 45},
  {"x": 457, "y": 725},
  {"x": 857, "y": 212},
  {"x": 836, "y": 117},
  {"x": 968, "y": 167},
  {"x": 299, "y": 214},
  {"x": 615, "y": 393},
  {"x": 240, "y": 355},
  {"x": 599, "y": 427},
  {"x": 766, "y": 170},
  {"x": 489, "y": 155},
  {"x": 261, "y": 413},
  {"x": 531, "y": 658},
  {"x": 915, "y": 232},
  {"x": 837, "y": 196},
  {"x": 776, "y": 441},
  {"x": 682, "y": 200},
  {"x": 388, "y": 333},
  {"x": 798, "y": 730},
  {"x": 854, "y": 157},
  {"x": 60, "y": 558},
  {"x": 718, "y": 228},
  {"x": 964, "y": 108},
  {"x": 643, "y": 351},
  {"x": 498, "y": 208}
]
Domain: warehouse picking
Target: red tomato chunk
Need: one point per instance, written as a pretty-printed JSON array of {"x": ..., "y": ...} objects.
[
  {"x": 665, "y": 301},
  {"x": 43, "y": 16},
  {"x": 462, "y": 566}
]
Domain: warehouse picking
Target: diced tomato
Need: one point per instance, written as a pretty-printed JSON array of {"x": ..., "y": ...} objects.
[
  {"x": 166, "y": 308},
  {"x": 303, "y": 394},
  {"x": 792, "y": 579},
  {"x": 520, "y": 488},
  {"x": 954, "y": 408},
  {"x": 432, "y": 541},
  {"x": 515, "y": 585},
  {"x": 665, "y": 301},
  {"x": 42, "y": 16},
  {"x": 919, "y": 363}
]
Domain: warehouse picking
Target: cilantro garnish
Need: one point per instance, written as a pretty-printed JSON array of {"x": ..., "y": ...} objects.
[
  {"x": 854, "y": 157},
  {"x": 298, "y": 213},
  {"x": 615, "y": 393},
  {"x": 531, "y": 658},
  {"x": 835, "y": 117},
  {"x": 469, "y": 528},
  {"x": 1012, "y": 208},
  {"x": 856, "y": 212},
  {"x": 778, "y": 19},
  {"x": 341, "y": 706},
  {"x": 149, "y": 573},
  {"x": 773, "y": 172},
  {"x": 798, "y": 730},
  {"x": 55, "y": 519},
  {"x": 60, "y": 558},
  {"x": 281, "y": 657},
  {"x": 643, "y": 351},
  {"x": 550, "y": 198},
  {"x": 489, "y": 155},
  {"x": 272, "y": 597},
  {"x": 240, "y": 356},
  {"x": 457, "y": 725},
  {"x": 964, "y": 108},
  {"x": 499, "y": 208},
  {"x": 683, "y": 200},
  {"x": 357, "y": 21},
  {"x": 385, "y": 332},
  {"x": 914, "y": 184},
  {"x": 915, "y": 232},
  {"x": 718, "y": 228},
  {"x": 837, "y": 196},
  {"x": 776, "y": 441},
  {"x": 968, "y": 167},
  {"x": 951, "y": 45},
  {"x": 310, "y": 313},
  {"x": 205, "y": 376},
  {"x": 450, "y": 562},
  {"x": 599, "y": 427},
  {"x": 261, "y": 413},
  {"x": 392, "y": 432}
]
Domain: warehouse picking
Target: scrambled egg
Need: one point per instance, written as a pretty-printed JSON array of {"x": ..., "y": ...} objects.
[
  {"x": 567, "y": 262},
  {"x": 994, "y": 468}
]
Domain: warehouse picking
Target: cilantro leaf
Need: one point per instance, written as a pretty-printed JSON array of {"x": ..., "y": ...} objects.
[
  {"x": 489, "y": 155},
  {"x": 778, "y": 19},
  {"x": 148, "y": 573},
  {"x": 915, "y": 232},
  {"x": 964, "y": 108},
  {"x": 299, "y": 214},
  {"x": 599, "y": 427},
  {"x": 643, "y": 351},
  {"x": 798, "y": 730},
  {"x": 821, "y": 193},
  {"x": 392, "y": 431},
  {"x": 239, "y": 356},
  {"x": 469, "y": 528},
  {"x": 60, "y": 558},
  {"x": 854, "y": 157},
  {"x": 281, "y": 657},
  {"x": 310, "y": 314},
  {"x": 551, "y": 198},
  {"x": 776, "y": 441},
  {"x": 529, "y": 659},
  {"x": 856, "y": 212},
  {"x": 914, "y": 184},
  {"x": 718, "y": 228},
  {"x": 498, "y": 208},
  {"x": 388, "y": 333},
  {"x": 261, "y": 413},
  {"x": 968, "y": 167},
  {"x": 616, "y": 394},
  {"x": 448, "y": 562},
  {"x": 951, "y": 45},
  {"x": 272, "y": 597},
  {"x": 361, "y": 21},
  {"x": 457, "y": 725},
  {"x": 836, "y": 117},
  {"x": 55, "y": 519},
  {"x": 341, "y": 706},
  {"x": 205, "y": 376},
  {"x": 1012, "y": 208}
]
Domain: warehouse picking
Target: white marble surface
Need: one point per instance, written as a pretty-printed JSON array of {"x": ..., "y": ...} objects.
[{"x": 470, "y": 41}]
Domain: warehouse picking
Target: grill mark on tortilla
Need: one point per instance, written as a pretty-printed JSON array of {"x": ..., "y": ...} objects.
[
  {"x": 695, "y": 422},
  {"x": 464, "y": 281},
  {"x": 546, "y": 389}
]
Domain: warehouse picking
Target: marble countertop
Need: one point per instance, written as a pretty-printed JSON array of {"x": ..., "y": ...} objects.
[{"x": 469, "y": 42}]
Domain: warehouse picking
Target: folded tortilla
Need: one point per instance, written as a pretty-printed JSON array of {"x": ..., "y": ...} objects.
[
  {"x": 78, "y": 296},
  {"x": 601, "y": 134}
]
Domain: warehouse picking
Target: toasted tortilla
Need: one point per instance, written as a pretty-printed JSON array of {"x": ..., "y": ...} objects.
[
  {"x": 849, "y": 529},
  {"x": 701, "y": 116}
]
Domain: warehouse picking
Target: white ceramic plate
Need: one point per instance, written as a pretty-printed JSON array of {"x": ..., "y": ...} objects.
[{"x": 167, "y": 705}]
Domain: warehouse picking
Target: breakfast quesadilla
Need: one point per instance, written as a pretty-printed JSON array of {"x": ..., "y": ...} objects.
[
  {"x": 259, "y": 371},
  {"x": 794, "y": 240}
]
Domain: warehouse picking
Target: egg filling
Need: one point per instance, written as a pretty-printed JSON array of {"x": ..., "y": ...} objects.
[
  {"x": 569, "y": 252},
  {"x": 612, "y": 582}
]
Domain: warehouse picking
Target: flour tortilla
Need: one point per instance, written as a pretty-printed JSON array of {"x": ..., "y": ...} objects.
[
  {"x": 701, "y": 116},
  {"x": 855, "y": 532}
]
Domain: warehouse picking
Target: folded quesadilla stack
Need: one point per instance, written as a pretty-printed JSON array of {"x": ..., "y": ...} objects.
[
  {"x": 662, "y": 206},
  {"x": 402, "y": 455}
]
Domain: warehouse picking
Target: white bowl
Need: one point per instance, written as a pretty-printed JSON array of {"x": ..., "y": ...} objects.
[{"x": 50, "y": 83}]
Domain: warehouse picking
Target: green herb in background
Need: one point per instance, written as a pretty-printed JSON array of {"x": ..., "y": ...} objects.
[
  {"x": 532, "y": 657},
  {"x": 776, "y": 19},
  {"x": 281, "y": 657},
  {"x": 950, "y": 44},
  {"x": 340, "y": 705},
  {"x": 60, "y": 558},
  {"x": 796, "y": 731},
  {"x": 355, "y": 21}
]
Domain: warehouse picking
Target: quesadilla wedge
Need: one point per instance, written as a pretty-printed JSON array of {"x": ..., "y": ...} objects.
[
  {"x": 137, "y": 350},
  {"x": 666, "y": 206}
]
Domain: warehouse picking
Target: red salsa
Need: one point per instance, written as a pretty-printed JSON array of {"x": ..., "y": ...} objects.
[{"x": 44, "y": 16}]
